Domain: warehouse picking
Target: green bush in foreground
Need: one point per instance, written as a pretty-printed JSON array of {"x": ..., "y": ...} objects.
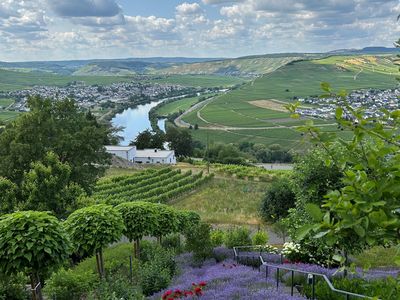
[
  {"x": 217, "y": 237},
  {"x": 198, "y": 241},
  {"x": 239, "y": 236},
  {"x": 260, "y": 238},
  {"x": 33, "y": 243}
]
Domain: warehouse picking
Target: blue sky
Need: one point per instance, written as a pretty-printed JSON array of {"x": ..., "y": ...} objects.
[{"x": 82, "y": 29}]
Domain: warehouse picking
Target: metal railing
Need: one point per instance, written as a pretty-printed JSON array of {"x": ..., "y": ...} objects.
[{"x": 311, "y": 276}]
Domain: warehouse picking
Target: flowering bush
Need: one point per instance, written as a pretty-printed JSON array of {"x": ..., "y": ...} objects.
[
  {"x": 196, "y": 291},
  {"x": 292, "y": 252},
  {"x": 270, "y": 249}
]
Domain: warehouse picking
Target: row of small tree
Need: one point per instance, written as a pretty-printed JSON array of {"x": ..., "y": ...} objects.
[{"x": 37, "y": 243}]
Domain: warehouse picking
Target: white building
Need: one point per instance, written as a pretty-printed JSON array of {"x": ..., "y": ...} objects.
[
  {"x": 155, "y": 156},
  {"x": 125, "y": 152}
]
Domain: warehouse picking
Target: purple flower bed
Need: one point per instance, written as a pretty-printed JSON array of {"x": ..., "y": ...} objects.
[{"x": 227, "y": 280}]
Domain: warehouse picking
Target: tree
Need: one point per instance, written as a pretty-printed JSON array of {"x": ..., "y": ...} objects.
[
  {"x": 277, "y": 200},
  {"x": 199, "y": 242},
  {"x": 92, "y": 229},
  {"x": 149, "y": 139},
  {"x": 180, "y": 140},
  {"x": 364, "y": 212},
  {"x": 140, "y": 219},
  {"x": 187, "y": 220},
  {"x": 168, "y": 221},
  {"x": 8, "y": 196},
  {"x": 47, "y": 186},
  {"x": 58, "y": 126},
  {"x": 34, "y": 243}
]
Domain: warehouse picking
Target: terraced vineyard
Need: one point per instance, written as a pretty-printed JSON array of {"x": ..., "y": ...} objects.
[{"x": 153, "y": 185}]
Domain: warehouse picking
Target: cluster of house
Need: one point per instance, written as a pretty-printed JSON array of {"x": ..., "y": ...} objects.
[
  {"x": 145, "y": 156},
  {"x": 371, "y": 100},
  {"x": 91, "y": 96}
]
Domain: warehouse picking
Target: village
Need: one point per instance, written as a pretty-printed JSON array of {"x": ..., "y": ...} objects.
[
  {"x": 91, "y": 96},
  {"x": 371, "y": 100}
]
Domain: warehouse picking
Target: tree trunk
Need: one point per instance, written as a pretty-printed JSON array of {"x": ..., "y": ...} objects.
[
  {"x": 99, "y": 265},
  {"x": 137, "y": 248},
  {"x": 36, "y": 288},
  {"x": 159, "y": 239},
  {"x": 102, "y": 264}
]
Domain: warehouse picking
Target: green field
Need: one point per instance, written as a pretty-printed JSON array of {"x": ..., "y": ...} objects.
[
  {"x": 4, "y": 102},
  {"x": 200, "y": 80},
  {"x": 226, "y": 201},
  {"x": 11, "y": 80},
  {"x": 297, "y": 79},
  {"x": 7, "y": 116},
  {"x": 178, "y": 105}
]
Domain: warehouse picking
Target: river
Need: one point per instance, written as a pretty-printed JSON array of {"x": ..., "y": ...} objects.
[{"x": 135, "y": 120}]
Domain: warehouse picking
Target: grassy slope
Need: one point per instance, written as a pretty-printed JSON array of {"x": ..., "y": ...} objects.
[
  {"x": 11, "y": 80},
  {"x": 200, "y": 80},
  {"x": 226, "y": 201},
  {"x": 301, "y": 79},
  {"x": 6, "y": 102},
  {"x": 176, "y": 106}
]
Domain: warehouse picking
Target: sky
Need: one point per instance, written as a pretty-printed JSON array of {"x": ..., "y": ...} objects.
[{"x": 85, "y": 29}]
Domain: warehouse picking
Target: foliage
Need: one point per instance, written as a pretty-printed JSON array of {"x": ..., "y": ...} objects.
[
  {"x": 385, "y": 289},
  {"x": 152, "y": 185},
  {"x": 278, "y": 200},
  {"x": 149, "y": 139},
  {"x": 248, "y": 171},
  {"x": 8, "y": 196},
  {"x": 93, "y": 228},
  {"x": 157, "y": 267},
  {"x": 33, "y": 243},
  {"x": 260, "y": 238},
  {"x": 225, "y": 154},
  {"x": 172, "y": 241},
  {"x": 47, "y": 187},
  {"x": 363, "y": 212},
  {"x": 179, "y": 140},
  {"x": 217, "y": 237},
  {"x": 57, "y": 126},
  {"x": 168, "y": 221},
  {"x": 239, "y": 236},
  {"x": 266, "y": 154},
  {"x": 198, "y": 242},
  {"x": 140, "y": 219},
  {"x": 117, "y": 280},
  {"x": 13, "y": 287},
  {"x": 69, "y": 284},
  {"x": 187, "y": 220},
  {"x": 281, "y": 229}
]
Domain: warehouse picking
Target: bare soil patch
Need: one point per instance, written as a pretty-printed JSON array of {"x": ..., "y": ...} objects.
[{"x": 269, "y": 104}]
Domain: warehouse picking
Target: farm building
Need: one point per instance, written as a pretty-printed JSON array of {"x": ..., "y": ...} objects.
[
  {"x": 155, "y": 156},
  {"x": 125, "y": 152},
  {"x": 146, "y": 156}
]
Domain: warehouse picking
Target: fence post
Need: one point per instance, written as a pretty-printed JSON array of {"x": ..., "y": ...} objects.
[
  {"x": 277, "y": 278},
  {"x": 130, "y": 268},
  {"x": 291, "y": 291},
  {"x": 313, "y": 287}
]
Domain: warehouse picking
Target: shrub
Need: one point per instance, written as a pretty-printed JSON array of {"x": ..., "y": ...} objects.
[
  {"x": 116, "y": 288},
  {"x": 152, "y": 252},
  {"x": 153, "y": 278},
  {"x": 13, "y": 287},
  {"x": 198, "y": 241},
  {"x": 277, "y": 201},
  {"x": 172, "y": 241},
  {"x": 217, "y": 237},
  {"x": 222, "y": 253},
  {"x": 239, "y": 236},
  {"x": 70, "y": 284},
  {"x": 260, "y": 238}
]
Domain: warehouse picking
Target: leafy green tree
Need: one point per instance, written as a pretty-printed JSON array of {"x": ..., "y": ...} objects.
[
  {"x": 34, "y": 243},
  {"x": 47, "y": 186},
  {"x": 59, "y": 126},
  {"x": 187, "y": 220},
  {"x": 8, "y": 195},
  {"x": 364, "y": 212},
  {"x": 278, "y": 199},
  {"x": 149, "y": 139},
  {"x": 140, "y": 219},
  {"x": 92, "y": 229},
  {"x": 199, "y": 242},
  {"x": 168, "y": 221},
  {"x": 180, "y": 140}
]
